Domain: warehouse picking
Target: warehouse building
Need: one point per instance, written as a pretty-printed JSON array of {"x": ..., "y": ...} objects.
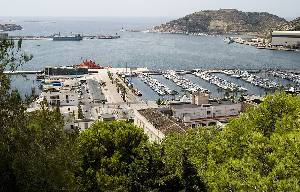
[{"x": 286, "y": 38}]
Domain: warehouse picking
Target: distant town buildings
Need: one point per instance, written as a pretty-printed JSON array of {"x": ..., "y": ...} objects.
[{"x": 286, "y": 38}]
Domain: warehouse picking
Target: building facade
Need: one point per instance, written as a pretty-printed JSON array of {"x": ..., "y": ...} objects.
[
  {"x": 61, "y": 98},
  {"x": 202, "y": 108},
  {"x": 154, "y": 134},
  {"x": 286, "y": 38}
]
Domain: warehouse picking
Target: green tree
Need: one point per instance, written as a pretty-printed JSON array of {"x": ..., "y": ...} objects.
[
  {"x": 148, "y": 170},
  {"x": 44, "y": 157},
  {"x": 107, "y": 150},
  {"x": 191, "y": 180},
  {"x": 11, "y": 110},
  {"x": 80, "y": 112},
  {"x": 259, "y": 150},
  {"x": 36, "y": 154},
  {"x": 174, "y": 93}
]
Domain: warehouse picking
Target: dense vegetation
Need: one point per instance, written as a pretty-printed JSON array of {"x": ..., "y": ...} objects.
[{"x": 257, "y": 152}]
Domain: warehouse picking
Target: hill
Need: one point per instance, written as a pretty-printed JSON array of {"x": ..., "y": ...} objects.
[
  {"x": 296, "y": 24},
  {"x": 10, "y": 27},
  {"x": 225, "y": 21}
]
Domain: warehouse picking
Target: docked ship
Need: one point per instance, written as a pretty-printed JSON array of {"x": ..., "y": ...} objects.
[
  {"x": 108, "y": 37},
  {"x": 76, "y": 37}
]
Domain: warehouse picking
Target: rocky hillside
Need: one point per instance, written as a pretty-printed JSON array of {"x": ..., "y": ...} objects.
[
  {"x": 10, "y": 27},
  {"x": 296, "y": 24},
  {"x": 225, "y": 21}
]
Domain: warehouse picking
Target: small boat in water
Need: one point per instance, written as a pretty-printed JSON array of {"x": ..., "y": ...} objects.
[{"x": 229, "y": 40}]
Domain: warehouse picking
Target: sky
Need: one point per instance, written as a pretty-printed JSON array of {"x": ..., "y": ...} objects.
[{"x": 140, "y": 8}]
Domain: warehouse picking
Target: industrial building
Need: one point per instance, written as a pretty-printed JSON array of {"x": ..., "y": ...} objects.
[{"x": 286, "y": 38}]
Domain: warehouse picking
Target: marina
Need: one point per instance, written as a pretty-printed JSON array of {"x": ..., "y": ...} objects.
[
  {"x": 285, "y": 75},
  {"x": 253, "y": 79},
  {"x": 155, "y": 85},
  {"x": 221, "y": 83},
  {"x": 169, "y": 83},
  {"x": 184, "y": 83}
]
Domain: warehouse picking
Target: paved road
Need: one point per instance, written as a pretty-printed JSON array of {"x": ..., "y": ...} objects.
[
  {"x": 110, "y": 90},
  {"x": 115, "y": 104}
]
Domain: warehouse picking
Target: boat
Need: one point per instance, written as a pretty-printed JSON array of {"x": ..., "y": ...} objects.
[
  {"x": 261, "y": 47},
  {"x": 108, "y": 37},
  {"x": 138, "y": 93},
  {"x": 229, "y": 40},
  {"x": 77, "y": 37}
]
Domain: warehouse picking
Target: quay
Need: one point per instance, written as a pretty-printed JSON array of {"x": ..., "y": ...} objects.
[
  {"x": 22, "y": 72},
  {"x": 50, "y": 37}
]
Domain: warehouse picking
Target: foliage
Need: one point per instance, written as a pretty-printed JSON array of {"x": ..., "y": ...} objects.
[
  {"x": 257, "y": 152},
  {"x": 107, "y": 150},
  {"x": 36, "y": 154}
]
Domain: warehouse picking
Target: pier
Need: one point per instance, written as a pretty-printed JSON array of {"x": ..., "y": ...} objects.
[
  {"x": 22, "y": 72},
  {"x": 50, "y": 37}
]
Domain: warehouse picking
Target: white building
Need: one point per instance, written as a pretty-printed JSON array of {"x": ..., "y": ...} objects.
[
  {"x": 286, "y": 38},
  {"x": 61, "y": 97},
  {"x": 155, "y": 124},
  {"x": 80, "y": 124},
  {"x": 204, "y": 108}
]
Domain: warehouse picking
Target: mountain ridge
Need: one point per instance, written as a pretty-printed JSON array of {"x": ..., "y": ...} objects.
[
  {"x": 226, "y": 21},
  {"x": 10, "y": 27}
]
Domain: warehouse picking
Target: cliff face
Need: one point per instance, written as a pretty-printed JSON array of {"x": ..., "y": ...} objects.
[
  {"x": 10, "y": 27},
  {"x": 225, "y": 21}
]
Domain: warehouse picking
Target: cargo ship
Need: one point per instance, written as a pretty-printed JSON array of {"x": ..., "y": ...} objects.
[{"x": 77, "y": 37}]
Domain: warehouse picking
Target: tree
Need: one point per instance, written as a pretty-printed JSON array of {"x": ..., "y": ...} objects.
[
  {"x": 44, "y": 154},
  {"x": 174, "y": 93},
  {"x": 107, "y": 151},
  {"x": 191, "y": 180},
  {"x": 259, "y": 150},
  {"x": 148, "y": 170},
  {"x": 11, "y": 110},
  {"x": 80, "y": 112},
  {"x": 36, "y": 154}
]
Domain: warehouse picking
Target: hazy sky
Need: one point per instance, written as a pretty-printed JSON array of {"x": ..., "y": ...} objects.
[{"x": 146, "y": 8}]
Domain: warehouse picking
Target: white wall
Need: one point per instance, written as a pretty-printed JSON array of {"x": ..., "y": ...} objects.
[
  {"x": 154, "y": 134},
  {"x": 71, "y": 100},
  {"x": 202, "y": 112},
  {"x": 285, "y": 41}
]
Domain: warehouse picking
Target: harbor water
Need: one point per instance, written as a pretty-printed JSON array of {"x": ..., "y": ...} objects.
[{"x": 139, "y": 49}]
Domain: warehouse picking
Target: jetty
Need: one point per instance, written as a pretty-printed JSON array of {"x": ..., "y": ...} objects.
[
  {"x": 50, "y": 37},
  {"x": 22, "y": 72}
]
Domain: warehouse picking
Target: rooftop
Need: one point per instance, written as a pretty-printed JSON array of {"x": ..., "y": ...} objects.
[
  {"x": 95, "y": 90},
  {"x": 162, "y": 122},
  {"x": 189, "y": 105},
  {"x": 286, "y": 33}
]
